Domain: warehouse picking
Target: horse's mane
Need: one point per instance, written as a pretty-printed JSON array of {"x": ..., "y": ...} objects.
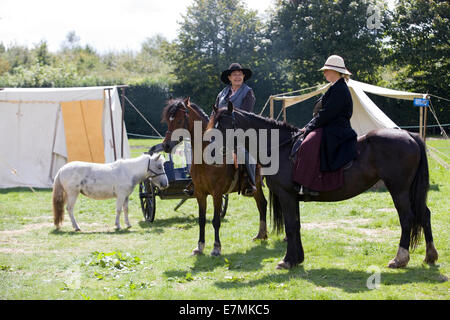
[
  {"x": 173, "y": 105},
  {"x": 275, "y": 124}
]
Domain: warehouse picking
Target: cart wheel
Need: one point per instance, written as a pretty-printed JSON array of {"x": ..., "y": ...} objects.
[
  {"x": 224, "y": 205},
  {"x": 148, "y": 200}
]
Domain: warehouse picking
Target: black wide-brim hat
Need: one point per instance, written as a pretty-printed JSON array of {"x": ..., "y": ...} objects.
[{"x": 234, "y": 67}]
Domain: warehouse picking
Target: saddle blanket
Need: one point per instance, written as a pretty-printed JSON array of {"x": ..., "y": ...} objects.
[{"x": 307, "y": 166}]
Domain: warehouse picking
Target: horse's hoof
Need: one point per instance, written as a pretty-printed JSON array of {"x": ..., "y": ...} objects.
[
  {"x": 216, "y": 252},
  {"x": 401, "y": 259},
  {"x": 395, "y": 264},
  {"x": 260, "y": 237},
  {"x": 431, "y": 254},
  {"x": 77, "y": 229},
  {"x": 129, "y": 227},
  {"x": 283, "y": 265},
  {"x": 197, "y": 252}
]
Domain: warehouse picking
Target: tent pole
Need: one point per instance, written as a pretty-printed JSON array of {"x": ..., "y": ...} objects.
[
  {"x": 425, "y": 111},
  {"x": 420, "y": 121},
  {"x": 58, "y": 112},
  {"x": 112, "y": 124},
  {"x": 271, "y": 107},
  {"x": 123, "y": 120},
  {"x": 284, "y": 111}
]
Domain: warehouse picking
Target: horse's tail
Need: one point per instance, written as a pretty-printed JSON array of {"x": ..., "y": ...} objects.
[
  {"x": 418, "y": 193},
  {"x": 277, "y": 216},
  {"x": 59, "y": 200}
]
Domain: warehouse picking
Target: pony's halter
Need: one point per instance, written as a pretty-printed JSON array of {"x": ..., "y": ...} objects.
[{"x": 155, "y": 174}]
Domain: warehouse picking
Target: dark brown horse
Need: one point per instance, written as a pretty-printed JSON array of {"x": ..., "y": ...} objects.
[
  {"x": 394, "y": 156},
  {"x": 215, "y": 180}
]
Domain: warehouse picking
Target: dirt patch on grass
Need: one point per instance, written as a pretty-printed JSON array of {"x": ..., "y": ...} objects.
[
  {"x": 353, "y": 225},
  {"x": 387, "y": 210},
  {"x": 340, "y": 223},
  {"x": 27, "y": 228}
]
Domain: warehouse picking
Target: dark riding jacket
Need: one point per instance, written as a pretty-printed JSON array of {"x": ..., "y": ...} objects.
[
  {"x": 338, "y": 144},
  {"x": 244, "y": 98}
]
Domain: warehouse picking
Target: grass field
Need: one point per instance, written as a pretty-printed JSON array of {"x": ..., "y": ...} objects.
[{"x": 346, "y": 244}]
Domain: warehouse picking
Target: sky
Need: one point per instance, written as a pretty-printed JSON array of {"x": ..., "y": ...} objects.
[{"x": 106, "y": 25}]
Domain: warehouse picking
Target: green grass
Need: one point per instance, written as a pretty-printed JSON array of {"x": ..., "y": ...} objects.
[{"x": 153, "y": 260}]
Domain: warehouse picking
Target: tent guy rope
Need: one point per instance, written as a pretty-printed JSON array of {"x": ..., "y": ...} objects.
[{"x": 143, "y": 117}]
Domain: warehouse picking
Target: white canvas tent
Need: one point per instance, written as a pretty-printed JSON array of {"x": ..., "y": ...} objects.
[
  {"x": 41, "y": 129},
  {"x": 366, "y": 115}
]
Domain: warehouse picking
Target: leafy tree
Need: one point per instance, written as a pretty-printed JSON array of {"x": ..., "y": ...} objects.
[
  {"x": 420, "y": 53},
  {"x": 213, "y": 34},
  {"x": 420, "y": 45},
  {"x": 4, "y": 65},
  {"x": 71, "y": 42},
  {"x": 17, "y": 55},
  {"x": 42, "y": 54},
  {"x": 303, "y": 34}
]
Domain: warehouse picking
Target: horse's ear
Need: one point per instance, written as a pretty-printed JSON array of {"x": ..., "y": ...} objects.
[
  {"x": 214, "y": 108},
  {"x": 187, "y": 101},
  {"x": 230, "y": 107}
]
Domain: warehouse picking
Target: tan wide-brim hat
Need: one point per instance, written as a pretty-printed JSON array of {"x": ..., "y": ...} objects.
[{"x": 335, "y": 63}]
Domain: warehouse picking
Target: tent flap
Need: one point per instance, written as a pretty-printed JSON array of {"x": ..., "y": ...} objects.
[{"x": 83, "y": 130}]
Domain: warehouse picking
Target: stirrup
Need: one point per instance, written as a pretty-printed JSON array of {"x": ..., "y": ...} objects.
[
  {"x": 249, "y": 191},
  {"x": 304, "y": 191},
  {"x": 189, "y": 190}
]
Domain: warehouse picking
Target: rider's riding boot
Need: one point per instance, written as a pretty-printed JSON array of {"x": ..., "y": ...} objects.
[{"x": 250, "y": 188}]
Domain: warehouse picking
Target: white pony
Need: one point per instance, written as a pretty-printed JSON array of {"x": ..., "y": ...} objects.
[{"x": 104, "y": 181}]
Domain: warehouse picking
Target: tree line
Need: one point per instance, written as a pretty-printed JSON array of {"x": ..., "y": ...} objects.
[{"x": 404, "y": 48}]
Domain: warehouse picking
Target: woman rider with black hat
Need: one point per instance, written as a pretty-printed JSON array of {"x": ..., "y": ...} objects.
[
  {"x": 242, "y": 97},
  {"x": 236, "y": 91}
]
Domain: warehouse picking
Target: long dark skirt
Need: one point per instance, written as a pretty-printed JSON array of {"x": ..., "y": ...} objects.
[{"x": 307, "y": 168}]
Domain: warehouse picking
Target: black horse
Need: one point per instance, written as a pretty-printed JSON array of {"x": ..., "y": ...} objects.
[{"x": 397, "y": 157}]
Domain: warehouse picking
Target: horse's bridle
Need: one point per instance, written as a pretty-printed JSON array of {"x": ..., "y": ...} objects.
[
  {"x": 155, "y": 174},
  {"x": 186, "y": 120}
]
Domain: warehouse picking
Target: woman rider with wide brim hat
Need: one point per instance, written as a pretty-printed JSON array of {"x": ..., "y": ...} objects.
[
  {"x": 242, "y": 97},
  {"x": 329, "y": 140},
  {"x": 236, "y": 91}
]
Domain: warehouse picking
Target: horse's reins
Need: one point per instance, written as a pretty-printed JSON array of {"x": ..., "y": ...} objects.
[{"x": 294, "y": 136}]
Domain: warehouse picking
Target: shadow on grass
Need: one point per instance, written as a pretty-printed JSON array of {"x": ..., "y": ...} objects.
[
  {"x": 250, "y": 260},
  {"x": 183, "y": 222},
  {"x": 25, "y": 190},
  {"x": 85, "y": 233},
  {"x": 347, "y": 280}
]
